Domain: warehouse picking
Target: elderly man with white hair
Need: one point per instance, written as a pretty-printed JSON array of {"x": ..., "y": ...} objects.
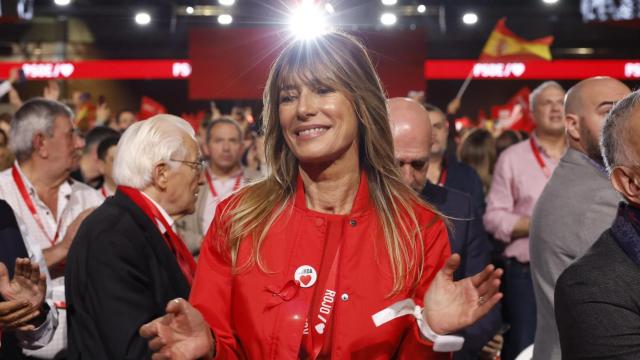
[
  {"x": 48, "y": 204},
  {"x": 127, "y": 261}
]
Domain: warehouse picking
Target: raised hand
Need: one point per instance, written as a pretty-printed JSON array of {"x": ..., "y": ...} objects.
[
  {"x": 28, "y": 287},
  {"x": 51, "y": 91},
  {"x": 15, "y": 313},
  {"x": 182, "y": 334},
  {"x": 450, "y": 306}
]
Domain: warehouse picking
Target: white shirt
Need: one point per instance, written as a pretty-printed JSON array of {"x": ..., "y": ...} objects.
[
  {"x": 164, "y": 214},
  {"x": 73, "y": 198},
  {"x": 224, "y": 188}
]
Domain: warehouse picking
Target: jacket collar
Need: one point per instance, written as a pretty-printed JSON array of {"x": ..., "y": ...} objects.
[
  {"x": 626, "y": 231},
  {"x": 361, "y": 204}
]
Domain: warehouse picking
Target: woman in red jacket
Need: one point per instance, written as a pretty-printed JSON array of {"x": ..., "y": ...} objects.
[{"x": 323, "y": 257}]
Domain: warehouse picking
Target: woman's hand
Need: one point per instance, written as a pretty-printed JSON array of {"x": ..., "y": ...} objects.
[
  {"x": 182, "y": 334},
  {"x": 450, "y": 306}
]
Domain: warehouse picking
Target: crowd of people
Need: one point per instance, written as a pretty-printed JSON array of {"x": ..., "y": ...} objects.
[{"x": 324, "y": 232}]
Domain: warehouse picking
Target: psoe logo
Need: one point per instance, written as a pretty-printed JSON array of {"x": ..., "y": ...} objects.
[
  {"x": 181, "y": 69},
  {"x": 498, "y": 70},
  {"x": 632, "y": 70},
  {"x": 48, "y": 70}
]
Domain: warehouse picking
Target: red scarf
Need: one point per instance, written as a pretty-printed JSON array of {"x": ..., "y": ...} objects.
[{"x": 183, "y": 256}]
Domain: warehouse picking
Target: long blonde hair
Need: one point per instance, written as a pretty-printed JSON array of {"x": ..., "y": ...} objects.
[{"x": 339, "y": 61}]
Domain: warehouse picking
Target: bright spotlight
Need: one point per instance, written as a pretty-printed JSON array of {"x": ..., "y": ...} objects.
[
  {"x": 470, "y": 18},
  {"x": 189, "y": 10},
  {"x": 389, "y": 2},
  {"x": 62, "y": 2},
  {"x": 308, "y": 21},
  {"x": 329, "y": 8},
  {"x": 550, "y": 2},
  {"x": 226, "y": 2},
  {"x": 421, "y": 9},
  {"x": 388, "y": 19},
  {"x": 143, "y": 18},
  {"x": 225, "y": 19}
]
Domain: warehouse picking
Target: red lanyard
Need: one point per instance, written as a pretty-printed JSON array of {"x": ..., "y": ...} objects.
[
  {"x": 443, "y": 174},
  {"x": 32, "y": 209},
  {"x": 324, "y": 300},
  {"x": 183, "y": 256},
  {"x": 236, "y": 185},
  {"x": 536, "y": 154},
  {"x": 103, "y": 192}
]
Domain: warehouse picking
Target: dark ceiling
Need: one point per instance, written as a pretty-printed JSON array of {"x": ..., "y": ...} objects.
[{"x": 116, "y": 35}]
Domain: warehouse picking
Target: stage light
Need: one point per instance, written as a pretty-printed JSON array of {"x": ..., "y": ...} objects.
[
  {"x": 189, "y": 10},
  {"x": 389, "y": 2},
  {"x": 143, "y": 18},
  {"x": 62, "y": 2},
  {"x": 308, "y": 21},
  {"x": 226, "y": 2},
  {"x": 550, "y": 2},
  {"x": 421, "y": 9},
  {"x": 225, "y": 19},
  {"x": 388, "y": 19},
  {"x": 329, "y": 8},
  {"x": 470, "y": 18}
]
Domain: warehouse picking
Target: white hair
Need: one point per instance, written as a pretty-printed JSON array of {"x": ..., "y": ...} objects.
[
  {"x": 533, "y": 97},
  {"x": 147, "y": 143},
  {"x": 614, "y": 144},
  {"x": 36, "y": 116}
]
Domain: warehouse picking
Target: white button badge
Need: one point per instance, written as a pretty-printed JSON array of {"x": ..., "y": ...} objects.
[{"x": 306, "y": 276}]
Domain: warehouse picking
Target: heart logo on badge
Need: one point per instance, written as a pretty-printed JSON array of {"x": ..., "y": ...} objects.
[
  {"x": 305, "y": 279},
  {"x": 305, "y": 276},
  {"x": 320, "y": 328}
]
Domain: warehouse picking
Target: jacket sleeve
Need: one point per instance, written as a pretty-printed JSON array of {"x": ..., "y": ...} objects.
[
  {"x": 499, "y": 218},
  {"x": 211, "y": 293},
  {"x": 414, "y": 345}
]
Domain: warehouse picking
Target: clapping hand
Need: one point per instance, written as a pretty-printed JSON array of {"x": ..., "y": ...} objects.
[
  {"x": 182, "y": 334},
  {"x": 24, "y": 295},
  {"x": 450, "y": 306}
]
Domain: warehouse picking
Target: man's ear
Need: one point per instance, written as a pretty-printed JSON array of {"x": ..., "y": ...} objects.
[
  {"x": 159, "y": 175},
  {"x": 39, "y": 140},
  {"x": 625, "y": 183},
  {"x": 572, "y": 123}
]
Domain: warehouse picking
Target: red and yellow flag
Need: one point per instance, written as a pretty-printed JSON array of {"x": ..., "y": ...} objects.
[{"x": 504, "y": 45}]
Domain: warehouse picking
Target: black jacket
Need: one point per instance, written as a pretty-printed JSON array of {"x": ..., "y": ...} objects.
[
  {"x": 11, "y": 247},
  {"x": 120, "y": 274},
  {"x": 597, "y": 304},
  {"x": 468, "y": 238}
]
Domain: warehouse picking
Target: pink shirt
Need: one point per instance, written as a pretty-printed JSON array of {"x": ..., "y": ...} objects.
[{"x": 518, "y": 181}]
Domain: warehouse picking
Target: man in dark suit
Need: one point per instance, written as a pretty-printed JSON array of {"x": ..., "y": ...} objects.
[
  {"x": 411, "y": 132},
  {"x": 127, "y": 262},
  {"x": 25, "y": 319},
  {"x": 444, "y": 168},
  {"x": 597, "y": 297}
]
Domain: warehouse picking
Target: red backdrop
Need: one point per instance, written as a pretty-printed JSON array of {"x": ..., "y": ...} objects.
[{"x": 234, "y": 63}]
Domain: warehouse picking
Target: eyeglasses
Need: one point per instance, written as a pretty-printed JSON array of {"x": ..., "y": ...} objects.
[{"x": 195, "y": 165}]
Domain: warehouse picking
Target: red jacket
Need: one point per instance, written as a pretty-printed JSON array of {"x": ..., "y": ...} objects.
[{"x": 261, "y": 315}]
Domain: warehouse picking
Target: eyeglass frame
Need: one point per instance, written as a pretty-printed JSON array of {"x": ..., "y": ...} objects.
[{"x": 195, "y": 165}]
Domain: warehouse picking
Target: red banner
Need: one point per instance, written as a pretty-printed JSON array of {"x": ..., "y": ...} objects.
[
  {"x": 102, "y": 69},
  {"x": 535, "y": 70}
]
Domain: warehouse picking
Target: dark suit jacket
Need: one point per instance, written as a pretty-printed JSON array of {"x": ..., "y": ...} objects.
[
  {"x": 468, "y": 238},
  {"x": 11, "y": 247},
  {"x": 463, "y": 178},
  {"x": 120, "y": 274},
  {"x": 597, "y": 304}
]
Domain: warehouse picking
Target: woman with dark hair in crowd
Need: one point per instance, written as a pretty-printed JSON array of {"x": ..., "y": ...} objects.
[
  {"x": 478, "y": 150},
  {"x": 322, "y": 257},
  {"x": 506, "y": 139}
]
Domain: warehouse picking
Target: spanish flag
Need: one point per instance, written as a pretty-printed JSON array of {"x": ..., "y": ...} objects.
[{"x": 504, "y": 45}]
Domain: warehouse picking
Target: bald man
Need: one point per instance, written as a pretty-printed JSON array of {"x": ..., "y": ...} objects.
[
  {"x": 577, "y": 204},
  {"x": 411, "y": 131}
]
